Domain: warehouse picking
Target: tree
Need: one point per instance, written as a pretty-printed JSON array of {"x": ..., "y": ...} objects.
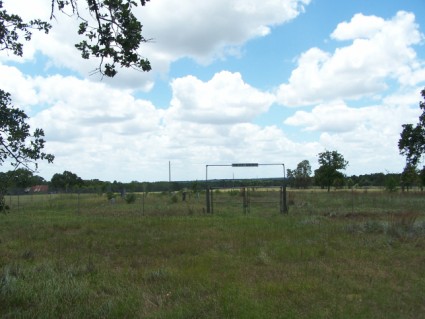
[
  {"x": 290, "y": 177},
  {"x": 330, "y": 164},
  {"x": 113, "y": 35},
  {"x": 422, "y": 178},
  {"x": 18, "y": 146},
  {"x": 412, "y": 138},
  {"x": 21, "y": 177},
  {"x": 391, "y": 184},
  {"x": 16, "y": 141},
  {"x": 302, "y": 174},
  {"x": 66, "y": 181},
  {"x": 409, "y": 177}
]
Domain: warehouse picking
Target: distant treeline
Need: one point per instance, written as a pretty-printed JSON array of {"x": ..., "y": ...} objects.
[
  {"x": 97, "y": 186},
  {"x": 389, "y": 181}
]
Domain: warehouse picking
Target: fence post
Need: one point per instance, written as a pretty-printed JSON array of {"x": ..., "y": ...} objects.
[
  {"x": 245, "y": 200},
  {"x": 212, "y": 201},
  {"x": 283, "y": 204},
  {"x": 207, "y": 192},
  {"x": 78, "y": 203}
]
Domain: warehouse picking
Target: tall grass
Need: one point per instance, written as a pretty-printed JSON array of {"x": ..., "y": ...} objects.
[{"x": 113, "y": 261}]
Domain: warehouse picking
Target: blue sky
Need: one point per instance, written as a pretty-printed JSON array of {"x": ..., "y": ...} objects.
[{"x": 232, "y": 81}]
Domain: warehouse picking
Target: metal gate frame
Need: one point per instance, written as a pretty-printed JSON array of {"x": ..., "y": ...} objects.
[
  {"x": 208, "y": 192},
  {"x": 246, "y": 202}
]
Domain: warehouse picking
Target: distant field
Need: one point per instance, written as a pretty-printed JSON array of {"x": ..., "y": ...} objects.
[{"x": 338, "y": 255}]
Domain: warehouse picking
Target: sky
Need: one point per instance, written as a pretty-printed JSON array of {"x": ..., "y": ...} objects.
[{"x": 232, "y": 81}]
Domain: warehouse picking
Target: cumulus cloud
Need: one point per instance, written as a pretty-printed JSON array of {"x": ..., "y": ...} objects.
[
  {"x": 225, "y": 99},
  {"x": 202, "y": 30},
  {"x": 18, "y": 85},
  {"x": 360, "y": 26},
  {"x": 92, "y": 109},
  {"x": 96, "y": 130},
  {"x": 100, "y": 129},
  {"x": 381, "y": 50},
  {"x": 368, "y": 134},
  {"x": 339, "y": 118},
  {"x": 332, "y": 117}
]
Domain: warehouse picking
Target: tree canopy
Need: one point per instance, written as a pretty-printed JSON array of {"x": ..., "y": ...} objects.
[
  {"x": 330, "y": 164},
  {"x": 412, "y": 138},
  {"x": 18, "y": 145},
  {"x": 113, "y": 34},
  {"x": 66, "y": 181},
  {"x": 16, "y": 141},
  {"x": 300, "y": 177}
]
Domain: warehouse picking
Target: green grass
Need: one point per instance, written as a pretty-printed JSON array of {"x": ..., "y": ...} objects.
[{"x": 112, "y": 261}]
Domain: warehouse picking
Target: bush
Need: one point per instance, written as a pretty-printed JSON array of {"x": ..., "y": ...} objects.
[
  {"x": 391, "y": 184},
  {"x": 110, "y": 195},
  {"x": 130, "y": 198},
  {"x": 174, "y": 198}
]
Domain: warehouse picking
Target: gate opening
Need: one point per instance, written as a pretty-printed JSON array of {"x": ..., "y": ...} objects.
[{"x": 253, "y": 197}]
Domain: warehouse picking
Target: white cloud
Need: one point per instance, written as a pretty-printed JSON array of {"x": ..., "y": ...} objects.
[
  {"x": 225, "y": 99},
  {"x": 205, "y": 30},
  {"x": 92, "y": 109},
  {"x": 360, "y": 26},
  {"x": 381, "y": 50},
  {"x": 22, "y": 92},
  {"x": 332, "y": 117},
  {"x": 98, "y": 131},
  {"x": 369, "y": 135},
  {"x": 202, "y": 30},
  {"x": 339, "y": 118}
]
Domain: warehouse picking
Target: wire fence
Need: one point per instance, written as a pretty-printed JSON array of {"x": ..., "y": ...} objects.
[
  {"x": 261, "y": 201},
  {"x": 355, "y": 202}
]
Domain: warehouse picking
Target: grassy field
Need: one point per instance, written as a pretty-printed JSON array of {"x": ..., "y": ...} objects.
[{"x": 334, "y": 255}]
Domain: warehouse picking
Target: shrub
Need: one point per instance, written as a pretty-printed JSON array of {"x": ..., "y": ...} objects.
[
  {"x": 130, "y": 198},
  {"x": 174, "y": 198},
  {"x": 110, "y": 195},
  {"x": 391, "y": 184}
]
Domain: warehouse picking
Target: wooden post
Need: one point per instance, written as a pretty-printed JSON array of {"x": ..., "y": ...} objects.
[
  {"x": 207, "y": 194},
  {"x": 245, "y": 200},
  {"x": 283, "y": 203}
]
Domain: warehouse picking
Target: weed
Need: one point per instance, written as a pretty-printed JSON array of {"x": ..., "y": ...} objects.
[
  {"x": 373, "y": 227},
  {"x": 28, "y": 255},
  {"x": 7, "y": 282},
  {"x": 263, "y": 258},
  {"x": 353, "y": 228},
  {"x": 402, "y": 226},
  {"x": 157, "y": 275}
]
